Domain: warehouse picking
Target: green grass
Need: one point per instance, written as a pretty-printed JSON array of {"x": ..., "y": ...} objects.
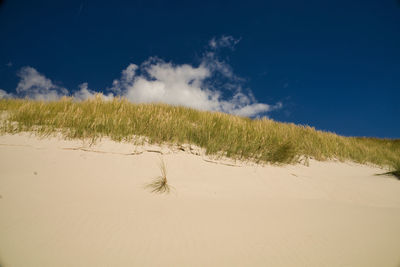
[{"x": 257, "y": 140}]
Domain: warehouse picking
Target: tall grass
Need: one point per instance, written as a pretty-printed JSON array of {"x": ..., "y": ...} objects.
[{"x": 258, "y": 140}]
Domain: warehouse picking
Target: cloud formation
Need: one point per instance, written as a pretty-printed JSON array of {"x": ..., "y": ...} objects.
[
  {"x": 34, "y": 85},
  {"x": 183, "y": 85},
  {"x": 85, "y": 93},
  {"x": 4, "y": 94},
  {"x": 210, "y": 85},
  {"x": 223, "y": 41},
  {"x": 193, "y": 86}
]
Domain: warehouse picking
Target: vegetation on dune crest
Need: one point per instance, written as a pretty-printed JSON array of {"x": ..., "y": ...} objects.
[{"x": 259, "y": 140}]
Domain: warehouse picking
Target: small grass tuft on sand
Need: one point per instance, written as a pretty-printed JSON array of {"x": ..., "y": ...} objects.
[{"x": 160, "y": 184}]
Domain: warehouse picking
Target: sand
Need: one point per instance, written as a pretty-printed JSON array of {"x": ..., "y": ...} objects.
[{"x": 64, "y": 203}]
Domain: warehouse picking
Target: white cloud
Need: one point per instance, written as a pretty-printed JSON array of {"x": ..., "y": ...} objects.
[
  {"x": 224, "y": 41},
  {"x": 214, "y": 63},
  {"x": 36, "y": 86},
  {"x": 4, "y": 94},
  {"x": 163, "y": 82},
  {"x": 192, "y": 86},
  {"x": 183, "y": 85},
  {"x": 127, "y": 79},
  {"x": 201, "y": 86},
  {"x": 85, "y": 93}
]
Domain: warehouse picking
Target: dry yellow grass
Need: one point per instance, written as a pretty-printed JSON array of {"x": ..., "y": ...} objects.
[
  {"x": 258, "y": 140},
  {"x": 160, "y": 183}
]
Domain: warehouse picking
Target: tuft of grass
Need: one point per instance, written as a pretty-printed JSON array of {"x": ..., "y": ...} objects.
[
  {"x": 395, "y": 170},
  {"x": 258, "y": 140},
  {"x": 160, "y": 183}
]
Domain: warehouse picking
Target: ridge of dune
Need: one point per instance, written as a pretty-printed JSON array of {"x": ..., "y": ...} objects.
[{"x": 65, "y": 203}]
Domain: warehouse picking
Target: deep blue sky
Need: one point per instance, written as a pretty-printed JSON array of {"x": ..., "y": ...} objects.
[{"x": 334, "y": 64}]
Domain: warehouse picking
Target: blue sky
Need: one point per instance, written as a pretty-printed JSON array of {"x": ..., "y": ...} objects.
[{"x": 334, "y": 65}]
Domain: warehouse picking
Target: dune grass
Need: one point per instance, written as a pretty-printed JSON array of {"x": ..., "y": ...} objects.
[
  {"x": 395, "y": 171},
  {"x": 160, "y": 184},
  {"x": 258, "y": 140}
]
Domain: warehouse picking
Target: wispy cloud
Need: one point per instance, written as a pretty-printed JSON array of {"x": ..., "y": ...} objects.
[
  {"x": 222, "y": 42},
  {"x": 84, "y": 93},
  {"x": 209, "y": 85},
  {"x": 34, "y": 85},
  {"x": 4, "y": 94}
]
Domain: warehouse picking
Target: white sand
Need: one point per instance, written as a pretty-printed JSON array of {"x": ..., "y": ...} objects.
[{"x": 63, "y": 207}]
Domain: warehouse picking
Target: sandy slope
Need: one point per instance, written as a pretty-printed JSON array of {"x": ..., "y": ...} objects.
[{"x": 66, "y": 207}]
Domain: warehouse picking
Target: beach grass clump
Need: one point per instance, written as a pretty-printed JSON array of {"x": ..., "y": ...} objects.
[
  {"x": 160, "y": 184},
  {"x": 395, "y": 170},
  {"x": 258, "y": 140}
]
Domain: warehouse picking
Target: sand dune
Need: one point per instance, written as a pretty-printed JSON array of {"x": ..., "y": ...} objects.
[{"x": 64, "y": 203}]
